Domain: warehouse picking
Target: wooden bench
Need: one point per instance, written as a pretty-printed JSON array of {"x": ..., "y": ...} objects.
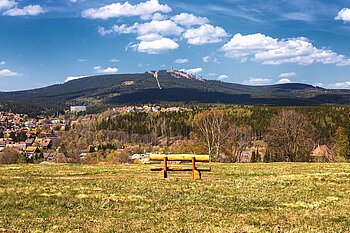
[{"x": 196, "y": 171}]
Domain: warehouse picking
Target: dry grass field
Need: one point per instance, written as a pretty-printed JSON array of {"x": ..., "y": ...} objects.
[{"x": 279, "y": 197}]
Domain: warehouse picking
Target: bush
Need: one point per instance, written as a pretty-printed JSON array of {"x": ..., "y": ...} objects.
[
  {"x": 121, "y": 157},
  {"x": 11, "y": 156},
  {"x": 89, "y": 159}
]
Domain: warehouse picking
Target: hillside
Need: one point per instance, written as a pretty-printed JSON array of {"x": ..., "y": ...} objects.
[{"x": 103, "y": 91}]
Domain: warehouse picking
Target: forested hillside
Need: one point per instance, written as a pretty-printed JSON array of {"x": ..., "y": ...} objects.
[{"x": 100, "y": 92}]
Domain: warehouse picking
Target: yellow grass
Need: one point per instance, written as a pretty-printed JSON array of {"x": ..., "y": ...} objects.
[{"x": 285, "y": 197}]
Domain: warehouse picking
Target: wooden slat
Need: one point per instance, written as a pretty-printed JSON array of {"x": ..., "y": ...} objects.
[
  {"x": 203, "y": 169},
  {"x": 179, "y": 157},
  {"x": 174, "y": 169},
  {"x": 156, "y": 169}
]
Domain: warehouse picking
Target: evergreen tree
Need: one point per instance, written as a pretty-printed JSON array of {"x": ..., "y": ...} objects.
[
  {"x": 253, "y": 159},
  {"x": 267, "y": 157},
  {"x": 341, "y": 144}
]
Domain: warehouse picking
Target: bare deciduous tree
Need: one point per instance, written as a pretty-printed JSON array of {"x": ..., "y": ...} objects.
[
  {"x": 290, "y": 136},
  {"x": 213, "y": 128},
  {"x": 240, "y": 139}
]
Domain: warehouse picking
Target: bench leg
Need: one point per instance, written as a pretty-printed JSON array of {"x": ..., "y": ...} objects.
[
  {"x": 197, "y": 175},
  {"x": 193, "y": 166},
  {"x": 165, "y": 171},
  {"x": 163, "y": 174}
]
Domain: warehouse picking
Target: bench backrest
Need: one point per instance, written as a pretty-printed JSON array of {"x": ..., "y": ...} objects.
[{"x": 179, "y": 157}]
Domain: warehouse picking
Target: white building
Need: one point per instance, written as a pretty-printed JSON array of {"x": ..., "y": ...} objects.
[{"x": 78, "y": 108}]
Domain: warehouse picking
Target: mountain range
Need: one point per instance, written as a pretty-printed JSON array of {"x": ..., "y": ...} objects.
[{"x": 164, "y": 86}]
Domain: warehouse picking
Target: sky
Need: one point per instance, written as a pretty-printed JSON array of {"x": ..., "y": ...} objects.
[{"x": 255, "y": 42}]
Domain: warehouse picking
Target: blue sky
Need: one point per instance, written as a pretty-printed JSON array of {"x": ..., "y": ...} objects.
[{"x": 250, "y": 42}]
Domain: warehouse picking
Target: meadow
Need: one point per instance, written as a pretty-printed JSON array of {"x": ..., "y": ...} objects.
[{"x": 274, "y": 197}]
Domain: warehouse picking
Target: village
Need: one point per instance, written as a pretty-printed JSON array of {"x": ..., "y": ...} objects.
[{"x": 33, "y": 138}]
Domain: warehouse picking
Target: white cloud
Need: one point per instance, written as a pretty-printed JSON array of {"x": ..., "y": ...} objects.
[
  {"x": 189, "y": 20},
  {"x": 31, "y": 10},
  {"x": 257, "y": 81},
  {"x": 8, "y": 73},
  {"x": 149, "y": 37},
  {"x": 2, "y": 63},
  {"x": 192, "y": 71},
  {"x": 344, "y": 15},
  {"x": 287, "y": 75},
  {"x": 124, "y": 29},
  {"x": 206, "y": 59},
  {"x": 268, "y": 50},
  {"x": 181, "y": 60},
  {"x": 82, "y": 60},
  {"x": 119, "y": 29},
  {"x": 156, "y": 46},
  {"x": 158, "y": 16},
  {"x": 283, "y": 81},
  {"x": 167, "y": 33},
  {"x": 205, "y": 34},
  {"x": 222, "y": 77},
  {"x": 7, "y": 4},
  {"x": 126, "y": 9},
  {"x": 114, "y": 60},
  {"x": 339, "y": 85},
  {"x": 108, "y": 70},
  {"x": 164, "y": 28},
  {"x": 70, "y": 78},
  {"x": 102, "y": 31}
]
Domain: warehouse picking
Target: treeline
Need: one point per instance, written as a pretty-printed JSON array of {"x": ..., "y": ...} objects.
[
  {"x": 227, "y": 133},
  {"x": 325, "y": 119},
  {"x": 156, "y": 124}
]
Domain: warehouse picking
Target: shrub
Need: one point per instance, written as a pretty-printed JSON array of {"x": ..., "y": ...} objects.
[{"x": 11, "y": 156}]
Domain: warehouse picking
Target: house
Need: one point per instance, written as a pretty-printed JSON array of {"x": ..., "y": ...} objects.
[
  {"x": 31, "y": 133},
  {"x": 33, "y": 152},
  {"x": 2, "y": 145},
  {"x": 48, "y": 156},
  {"x": 55, "y": 121},
  {"x": 38, "y": 141},
  {"x": 46, "y": 143},
  {"x": 21, "y": 146},
  {"x": 245, "y": 157},
  {"x": 322, "y": 154},
  {"x": 78, "y": 108},
  {"x": 29, "y": 141},
  {"x": 142, "y": 158},
  {"x": 42, "y": 134}
]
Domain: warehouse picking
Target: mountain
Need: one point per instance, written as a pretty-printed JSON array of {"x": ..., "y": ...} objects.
[{"x": 103, "y": 91}]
